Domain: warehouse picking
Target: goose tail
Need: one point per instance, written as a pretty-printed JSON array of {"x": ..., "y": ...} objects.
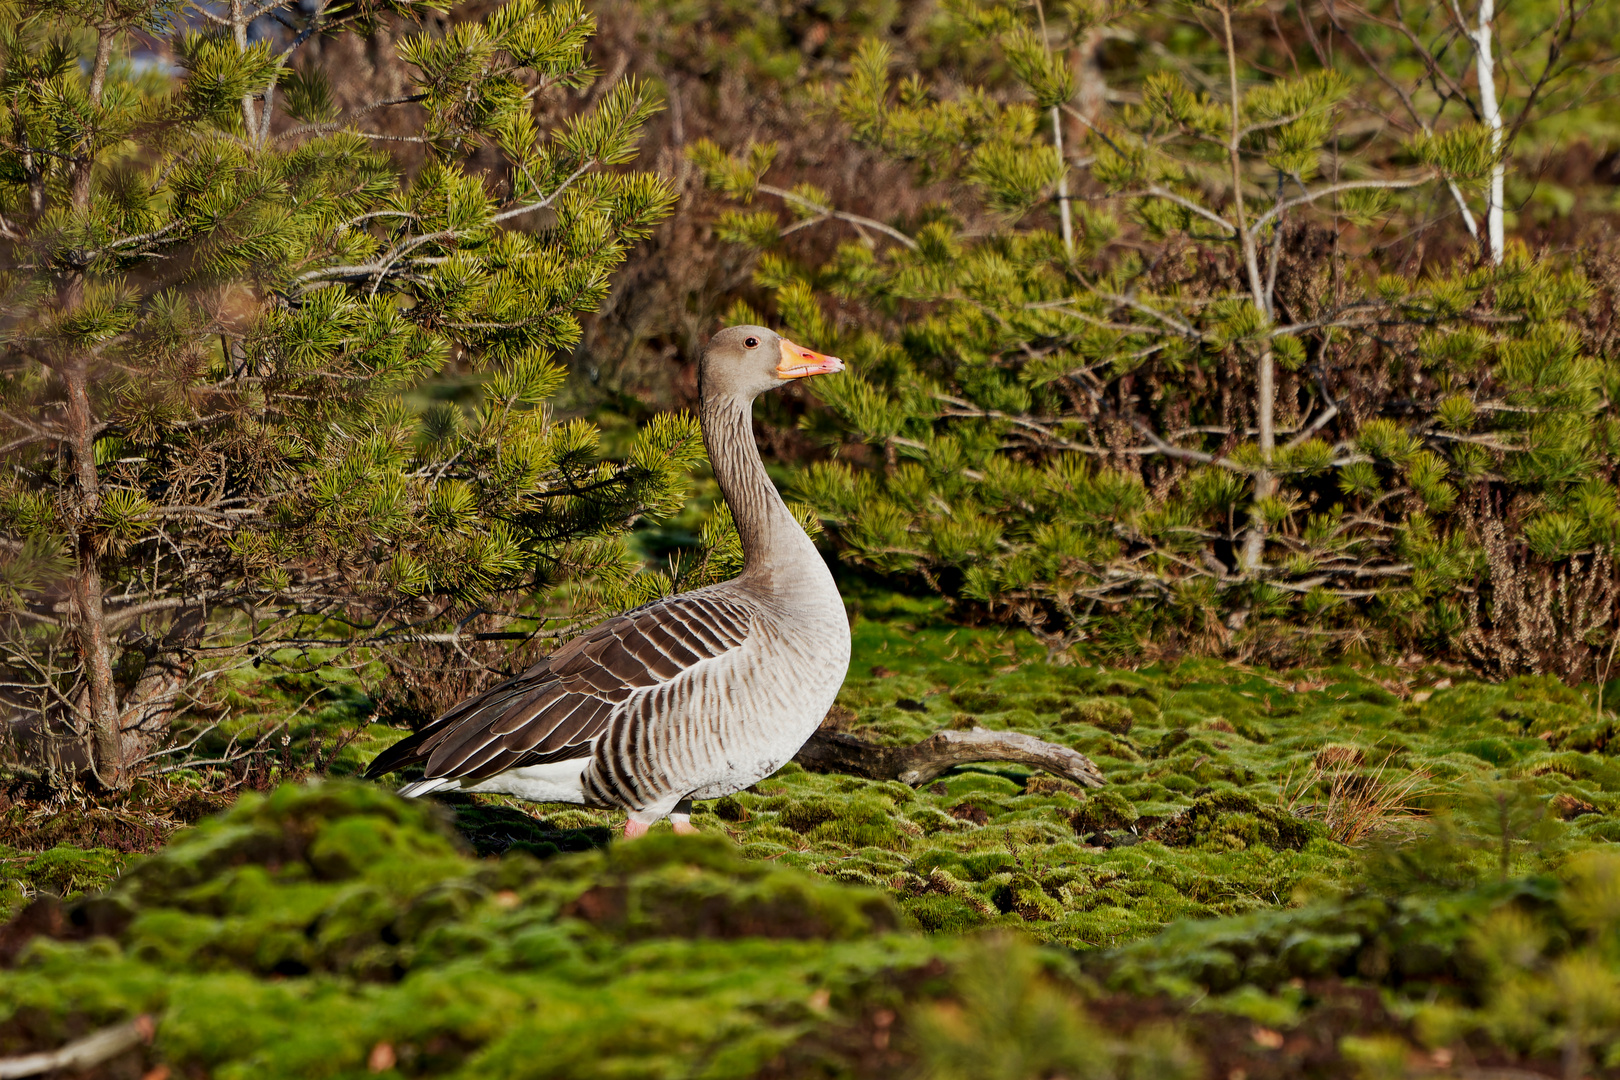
[{"x": 427, "y": 787}]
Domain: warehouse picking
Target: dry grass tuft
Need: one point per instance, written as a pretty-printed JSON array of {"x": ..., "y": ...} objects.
[{"x": 1358, "y": 804}]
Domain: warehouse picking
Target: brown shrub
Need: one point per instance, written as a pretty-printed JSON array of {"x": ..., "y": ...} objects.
[{"x": 1543, "y": 619}]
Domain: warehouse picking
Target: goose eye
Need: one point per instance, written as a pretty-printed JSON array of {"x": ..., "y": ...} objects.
[{"x": 752, "y": 343}]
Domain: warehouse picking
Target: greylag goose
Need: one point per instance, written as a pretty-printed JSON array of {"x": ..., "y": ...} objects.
[{"x": 691, "y": 697}]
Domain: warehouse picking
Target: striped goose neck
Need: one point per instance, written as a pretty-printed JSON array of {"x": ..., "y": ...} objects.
[{"x": 772, "y": 541}]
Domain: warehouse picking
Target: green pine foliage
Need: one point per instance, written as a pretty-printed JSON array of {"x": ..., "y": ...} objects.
[
  {"x": 230, "y": 316},
  {"x": 1159, "y": 410}
]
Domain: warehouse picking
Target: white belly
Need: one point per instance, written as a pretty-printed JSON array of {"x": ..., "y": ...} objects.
[
  {"x": 555, "y": 781},
  {"x": 750, "y": 758}
]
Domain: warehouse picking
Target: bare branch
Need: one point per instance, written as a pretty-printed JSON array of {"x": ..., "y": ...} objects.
[
  {"x": 827, "y": 212},
  {"x": 1333, "y": 189}
]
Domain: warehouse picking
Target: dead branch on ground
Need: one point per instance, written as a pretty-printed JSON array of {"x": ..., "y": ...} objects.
[
  {"x": 80, "y": 1054},
  {"x": 835, "y": 751}
]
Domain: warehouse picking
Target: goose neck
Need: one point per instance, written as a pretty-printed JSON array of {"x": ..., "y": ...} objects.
[{"x": 771, "y": 539}]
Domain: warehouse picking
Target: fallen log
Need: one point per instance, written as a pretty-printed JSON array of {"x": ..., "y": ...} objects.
[{"x": 835, "y": 751}]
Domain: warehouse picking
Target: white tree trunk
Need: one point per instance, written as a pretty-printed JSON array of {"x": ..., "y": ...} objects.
[
  {"x": 1491, "y": 110},
  {"x": 1063, "y": 183}
]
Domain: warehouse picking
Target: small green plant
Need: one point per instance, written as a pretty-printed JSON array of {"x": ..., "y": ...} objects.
[{"x": 1009, "y": 1020}]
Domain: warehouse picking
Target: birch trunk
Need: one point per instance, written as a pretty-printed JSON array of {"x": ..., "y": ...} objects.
[
  {"x": 1252, "y": 557},
  {"x": 1491, "y": 110},
  {"x": 1063, "y": 184}
]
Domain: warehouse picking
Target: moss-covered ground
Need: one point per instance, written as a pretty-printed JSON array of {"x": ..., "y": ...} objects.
[
  {"x": 303, "y": 930},
  {"x": 1238, "y": 747},
  {"x": 996, "y": 844},
  {"x": 1209, "y": 916},
  {"x": 330, "y": 929}
]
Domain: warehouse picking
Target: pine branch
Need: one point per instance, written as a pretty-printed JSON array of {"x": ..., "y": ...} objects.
[{"x": 584, "y": 167}]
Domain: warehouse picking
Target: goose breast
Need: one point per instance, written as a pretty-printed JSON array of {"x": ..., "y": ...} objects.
[{"x": 729, "y": 720}]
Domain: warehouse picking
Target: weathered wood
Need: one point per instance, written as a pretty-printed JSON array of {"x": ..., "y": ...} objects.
[
  {"x": 81, "y": 1054},
  {"x": 835, "y": 751}
]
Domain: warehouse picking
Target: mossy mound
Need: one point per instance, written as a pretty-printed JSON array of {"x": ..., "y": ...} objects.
[
  {"x": 335, "y": 930},
  {"x": 299, "y": 932},
  {"x": 1104, "y": 811},
  {"x": 1107, "y": 714},
  {"x": 61, "y": 870},
  {"x": 1516, "y": 972},
  {"x": 1234, "y": 821}
]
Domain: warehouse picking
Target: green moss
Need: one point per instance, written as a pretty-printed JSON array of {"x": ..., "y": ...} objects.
[
  {"x": 297, "y": 932},
  {"x": 1209, "y": 744},
  {"x": 1110, "y": 715},
  {"x": 1191, "y": 824},
  {"x": 61, "y": 870},
  {"x": 1105, "y": 810},
  {"x": 1234, "y": 821},
  {"x": 977, "y": 701},
  {"x": 300, "y": 932},
  {"x": 1499, "y": 965}
]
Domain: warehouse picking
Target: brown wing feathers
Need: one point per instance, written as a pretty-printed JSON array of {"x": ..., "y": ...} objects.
[{"x": 556, "y": 709}]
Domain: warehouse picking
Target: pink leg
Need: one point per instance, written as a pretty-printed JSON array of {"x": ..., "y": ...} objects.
[
  {"x": 682, "y": 824},
  {"x": 634, "y": 829}
]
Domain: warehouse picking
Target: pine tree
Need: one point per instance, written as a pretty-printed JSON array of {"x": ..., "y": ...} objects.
[
  {"x": 1158, "y": 382},
  {"x": 226, "y": 307}
]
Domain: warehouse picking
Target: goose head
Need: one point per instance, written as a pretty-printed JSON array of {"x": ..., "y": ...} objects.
[{"x": 745, "y": 361}]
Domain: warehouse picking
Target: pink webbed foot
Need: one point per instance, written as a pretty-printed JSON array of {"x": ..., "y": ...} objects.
[
  {"x": 634, "y": 829},
  {"x": 683, "y": 825}
]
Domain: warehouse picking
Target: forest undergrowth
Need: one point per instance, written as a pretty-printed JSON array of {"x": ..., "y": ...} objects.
[
  {"x": 1230, "y": 788},
  {"x": 1346, "y": 871}
]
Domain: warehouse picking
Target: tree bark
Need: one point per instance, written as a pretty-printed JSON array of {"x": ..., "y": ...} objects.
[
  {"x": 239, "y": 30},
  {"x": 1254, "y": 544},
  {"x": 144, "y": 719},
  {"x": 1265, "y": 483},
  {"x": 89, "y": 621},
  {"x": 834, "y": 751}
]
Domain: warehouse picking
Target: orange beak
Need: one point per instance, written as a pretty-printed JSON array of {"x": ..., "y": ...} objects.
[{"x": 798, "y": 362}]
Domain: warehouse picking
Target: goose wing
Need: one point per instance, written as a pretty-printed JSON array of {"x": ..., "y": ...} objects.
[{"x": 556, "y": 709}]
